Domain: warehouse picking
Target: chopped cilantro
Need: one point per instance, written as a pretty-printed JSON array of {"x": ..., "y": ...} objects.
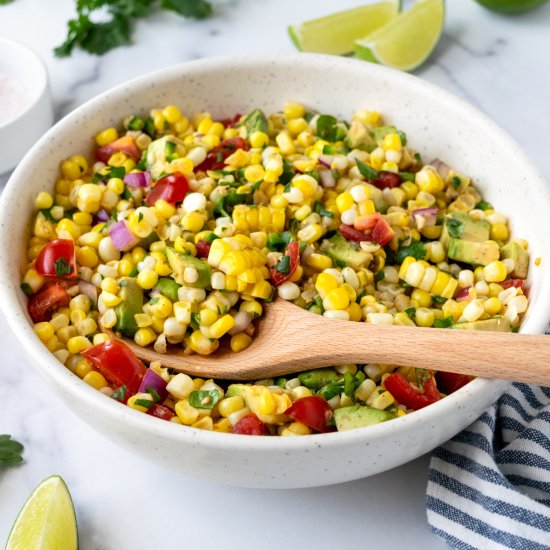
[
  {"x": 283, "y": 265},
  {"x": 47, "y": 213},
  {"x": 415, "y": 249},
  {"x": 204, "y": 399},
  {"x": 140, "y": 216},
  {"x": 411, "y": 312},
  {"x": 407, "y": 176},
  {"x": 439, "y": 300},
  {"x": 147, "y": 403},
  {"x": 26, "y": 288},
  {"x": 10, "y": 451},
  {"x": 156, "y": 397},
  {"x": 484, "y": 205},
  {"x": 62, "y": 267},
  {"x": 366, "y": 171},
  {"x": 120, "y": 393},
  {"x": 454, "y": 227},
  {"x": 379, "y": 275},
  {"x": 456, "y": 182},
  {"x": 446, "y": 322},
  {"x": 134, "y": 272}
]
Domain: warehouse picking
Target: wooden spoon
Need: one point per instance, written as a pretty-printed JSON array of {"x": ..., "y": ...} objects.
[{"x": 289, "y": 339}]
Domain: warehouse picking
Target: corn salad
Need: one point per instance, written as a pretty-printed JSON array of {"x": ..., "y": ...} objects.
[{"x": 181, "y": 227}]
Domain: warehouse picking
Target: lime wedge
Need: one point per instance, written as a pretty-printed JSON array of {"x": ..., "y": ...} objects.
[
  {"x": 511, "y": 6},
  {"x": 408, "y": 39},
  {"x": 336, "y": 33},
  {"x": 47, "y": 520}
]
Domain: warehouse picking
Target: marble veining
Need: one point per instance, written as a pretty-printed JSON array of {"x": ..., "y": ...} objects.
[{"x": 124, "y": 502}]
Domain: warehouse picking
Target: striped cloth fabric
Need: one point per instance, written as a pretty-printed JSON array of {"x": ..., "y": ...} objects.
[{"x": 489, "y": 487}]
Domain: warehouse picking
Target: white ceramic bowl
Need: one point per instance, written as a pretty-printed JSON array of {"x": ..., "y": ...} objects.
[
  {"x": 437, "y": 124},
  {"x": 33, "y": 109}
]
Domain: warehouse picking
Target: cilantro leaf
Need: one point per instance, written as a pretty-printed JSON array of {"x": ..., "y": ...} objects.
[
  {"x": 199, "y": 9},
  {"x": 62, "y": 267},
  {"x": 456, "y": 182},
  {"x": 411, "y": 312},
  {"x": 26, "y": 288},
  {"x": 204, "y": 399},
  {"x": 366, "y": 171},
  {"x": 4, "y": 2},
  {"x": 446, "y": 322},
  {"x": 283, "y": 265},
  {"x": 484, "y": 205},
  {"x": 454, "y": 227},
  {"x": 10, "y": 451},
  {"x": 415, "y": 249}
]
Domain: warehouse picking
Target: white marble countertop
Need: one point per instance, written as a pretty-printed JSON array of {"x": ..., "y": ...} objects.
[{"x": 499, "y": 64}]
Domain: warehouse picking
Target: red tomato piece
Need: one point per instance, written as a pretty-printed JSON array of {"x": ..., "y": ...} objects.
[
  {"x": 249, "y": 424},
  {"x": 313, "y": 411},
  {"x": 386, "y": 179},
  {"x": 49, "y": 298},
  {"x": 231, "y": 122},
  {"x": 518, "y": 283},
  {"x": 125, "y": 144},
  {"x": 376, "y": 227},
  {"x": 293, "y": 251},
  {"x": 57, "y": 259},
  {"x": 161, "y": 411},
  {"x": 171, "y": 188},
  {"x": 352, "y": 234},
  {"x": 449, "y": 382},
  {"x": 412, "y": 397},
  {"x": 203, "y": 249},
  {"x": 118, "y": 364},
  {"x": 215, "y": 159}
]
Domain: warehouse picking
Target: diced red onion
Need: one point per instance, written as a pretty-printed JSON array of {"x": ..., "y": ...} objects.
[
  {"x": 326, "y": 160},
  {"x": 137, "y": 179},
  {"x": 327, "y": 178},
  {"x": 88, "y": 289},
  {"x": 123, "y": 239},
  {"x": 155, "y": 382},
  {"x": 441, "y": 168},
  {"x": 464, "y": 294},
  {"x": 242, "y": 320},
  {"x": 102, "y": 215},
  {"x": 428, "y": 217}
]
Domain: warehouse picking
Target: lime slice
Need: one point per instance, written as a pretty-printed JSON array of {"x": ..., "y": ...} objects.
[
  {"x": 47, "y": 520},
  {"x": 336, "y": 33},
  {"x": 406, "y": 41},
  {"x": 511, "y": 6}
]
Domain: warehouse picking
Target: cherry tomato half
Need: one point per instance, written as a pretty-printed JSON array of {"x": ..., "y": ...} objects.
[
  {"x": 449, "y": 382},
  {"x": 376, "y": 227},
  {"x": 118, "y": 364},
  {"x": 57, "y": 259},
  {"x": 49, "y": 298},
  {"x": 160, "y": 411},
  {"x": 386, "y": 179},
  {"x": 171, "y": 188},
  {"x": 293, "y": 251},
  {"x": 351, "y": 234},
  {"x": 313, "y": 411},
  {"x": 406, "y": 394},
  {"x": 249, "y": 424},
  {"x": 203, "y": 248},
  {"x": 518, "y": 283},
  {"x": 215, "y": 159},
  {"x": 125, "y": 144}
]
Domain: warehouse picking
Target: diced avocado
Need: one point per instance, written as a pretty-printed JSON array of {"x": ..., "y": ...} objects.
[
  {"x": 474, "y": 253},
  {"x": 255, "y": 121},
  {"x": 168, "y": 287},
  {"x": 359, "y": 137},
  {"x": 345, "y": 253},
  {"x": 148, "y": 241},
  {"x": 178, "y": 262},
  {"x": 132, "y": 303},
  {"x": 460, "y": 225},
  {"x": 155, "y": 160},
  {"x": 317, "y": 378},
  {"x": 234, "y": 389},
  {"x": 519, "y": 255},
  {"x": 358, "y": 416},
  {"x": 382, "y": 131},
  {"x": 497, "y": 324}
]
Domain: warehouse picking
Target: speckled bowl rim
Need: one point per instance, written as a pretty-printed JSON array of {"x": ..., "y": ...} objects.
[{"x": 67, "y": 382}]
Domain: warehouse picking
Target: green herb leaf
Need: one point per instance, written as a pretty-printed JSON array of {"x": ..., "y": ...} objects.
[
  {"x": 255, "y": 121},
  {"x": 283, "y": 265},
  {"x": 454, "y": 227},
  {"x": 350, "y": 384},
  {"x": 120, "y": 393},
  {"x": 62, "y": 267},
  {"x": 204, "y": 399},
  {"x": 156, "y": 397},
  {"x": 154, "y": 300},
  {"x": 439, "y": 300},
  {"x": 136, "y": 124},
  {"x": 411, "y": 312},
  {"x": 456, "y": 182},
  {"x": 4, "y": 2},
  {"x": 10, "y": 451},
  {"x": 147, "y": 403},
  {"x": 126, "y": 193},
  {"x": 416, "y": 250},
  {"x": 446, "y": 322},
  {"x": 134, "y": 272},
  {"x": 418, "y": 158},
  {"x": 484, "y": 205},
  {"x": 199, "y": 9},
  {"x": 407, "y": 176},
  {"x": 47, "y": 213},
  {"x": 366, "y": 171},
  {"x": 26, "y": 288},
  {"x": 379, "y": 275}
]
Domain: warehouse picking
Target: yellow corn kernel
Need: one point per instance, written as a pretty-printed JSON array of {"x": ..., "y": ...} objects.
[
  {"x": 172, "y": 114},
  {"x": 390, "y": 167},
  {"x": 76, "y": 344},
  {"x": 300, "y": 391},
  {"x": 161, "y": 308},
  {"x": 233, "y": 263},
  {"x": 185, "y": 412},
  {"x": 165, "y": 209},
  {"x": 392, "y": 142},
  {"x": 100, "y": 338},
  {"x": 421, "y": 298},
  {"x": 492, "y": 305},
  {"x": 495, "y": 272},
  {"x": 81, "y": 162},
  {"x": 222, "y": 425},
  {"x": 230, "y": 405},
  {"x": 87, "y": 256},
  {"x": 82, "y": 368},
  {"x": 68, "y": 227},
  {"x": 424, "y": 317},
  {"x": 143, "y": 320},
  {"x": 144, "y": 336},
  {"x": 70, "y": 170},
  {"x": 95, "y": 379},
  {"x": 297, "y": 428},
  {"x": 499, "y": 232},
  {"x": 262, "y": 290},
  {"x": 204, "y": 423},
  {"x": 147, "y": 278},
  {"x": 110, "y": 300},
  {"x": 372, "y": 118},
  {"x": 258, "y": 139},
  {"x": 410, "y": 188},
  {"x": 355, "y": 312},
  {"x": 238, "y": 159},
  {"x": 181, "y": 125},
  {"x": 192, "y": 222},
  {"x": 336, "y": 299},
  {"x": 344, "y": 201},
  {"x": 34, "y": 280},
  {"x": 240, "y": 341},
  {"x": 293, "y": 110},
  {"x": 266, "y": 403},
  {"x": 325, "y": 283},
  {"x": 318, "y": 261},
  {"x": 44, "y": 330},
  {"x": 106, "y": 137},
  {"x": 139, "y": 397},
  {"x": 183, "y": 165},
  {"x": 366, "y": 207},
  {"x": 201, "y": 344},
  {"x": 221, "y": 326},
  {"x": 43, "y": 200},
  {"x": 407, "y": 262},
  {"x": 310, "y": 233},
  {"x": 285, "y": 143},
  {"x": 383, "y": 400},
  {"x": 254, "y": 173},
  {"x": 429, "y": 180}
]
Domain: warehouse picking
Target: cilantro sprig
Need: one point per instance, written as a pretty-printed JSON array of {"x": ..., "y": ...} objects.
[
  {"x": 98, "y": 37},
  {"x": 10, "y": 451}
]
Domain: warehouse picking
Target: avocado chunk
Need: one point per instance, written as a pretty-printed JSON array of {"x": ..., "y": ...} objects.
[
  {"x": 345, "y": 253},
  {"x": 497, "y": 324},
  {"x": 469, "y": 252},
  {"x": 168, "y": 287},
  {"x": 359, "y": 137},
  {"x": 132, "y": 303},
  {"x": 382, "y": 131},
  {"x": 255, "y": 121},
  {"x": 519, "y": 255},
  {"x": 179, "y": 262},
  {"x": 459, "y": 225},
  {"x": 235, "y": 389},
  {"x": 155, "y": 160},
  {"x": 358, "y": 416},
  {"x": 317, "y": 378}
]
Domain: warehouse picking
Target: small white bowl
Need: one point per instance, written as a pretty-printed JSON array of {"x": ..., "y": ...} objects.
[
  {"x": 33, "y": 109},
  {"x": 437, "y": 124}
]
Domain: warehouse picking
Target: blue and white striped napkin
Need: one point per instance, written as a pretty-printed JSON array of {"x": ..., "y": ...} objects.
[{"x": 489, "y": 487}]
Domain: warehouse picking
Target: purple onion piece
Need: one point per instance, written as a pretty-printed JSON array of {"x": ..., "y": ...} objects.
[
  {"x": 428, "y": 216},
  {"x": 123, "y": 239},
  {"x": 242, "y": 320},
  {"x": 441, "y": 168},
  {"x": 326, "y": 160},
  {"x": 464, "y": 294},
  {"x": 88, "y": 289},
  {"x": 101, "y": 216},
  {"x": 137, "y": 179},
  {"x": 327, "y": 178},
  {"x": 155, "y": 382}
]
